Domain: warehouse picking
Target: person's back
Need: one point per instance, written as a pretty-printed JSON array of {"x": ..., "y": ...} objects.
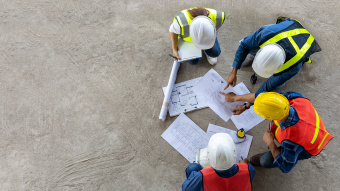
[
  {"x": 221, "y": 173},
  {"x": 239, "y": 181}
]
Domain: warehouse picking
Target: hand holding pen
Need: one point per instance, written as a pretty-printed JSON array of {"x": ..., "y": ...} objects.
[{"x": 175, "y": 56}]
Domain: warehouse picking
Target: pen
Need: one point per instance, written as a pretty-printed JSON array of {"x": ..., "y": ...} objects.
[
  {"x": 241, "y": 158},
  {"x": 269, "y": 126},
  {"x": 173, "y": 56}
]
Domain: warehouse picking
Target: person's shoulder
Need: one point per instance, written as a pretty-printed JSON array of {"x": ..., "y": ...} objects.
[
  {"x": 194, "y": 181},
  {"x": 292, "y": 95}
]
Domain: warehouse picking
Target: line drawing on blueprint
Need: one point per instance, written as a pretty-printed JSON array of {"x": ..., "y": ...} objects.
[
  {"x": 183, "y": 99},
  {"x": 186, "y": 137}
]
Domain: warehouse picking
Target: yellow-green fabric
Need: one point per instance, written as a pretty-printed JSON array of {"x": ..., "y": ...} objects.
[
  {"x": 299, "y": 52},
  {"x": 184, "y": 20}
]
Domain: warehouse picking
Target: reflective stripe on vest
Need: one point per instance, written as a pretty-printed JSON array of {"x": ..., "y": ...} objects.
[
  {"x": 299, "y": 52},
  {"x": 239, "y": 181},
  {"x": 184, "y": 20},
  {"x": 308, "y": 132}
]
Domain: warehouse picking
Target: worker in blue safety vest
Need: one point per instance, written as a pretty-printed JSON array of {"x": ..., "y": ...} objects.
[{"x": 276, "y": 52}]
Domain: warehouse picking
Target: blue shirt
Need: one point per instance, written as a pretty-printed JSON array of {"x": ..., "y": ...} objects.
[
  {"x": 252, "y": 43},
  {"x": 195, "y": 180},
  {"x": 290, "y": 152}
]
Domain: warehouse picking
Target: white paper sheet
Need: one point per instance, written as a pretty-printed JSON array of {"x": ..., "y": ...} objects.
[
  {"x": 186, "y": 137},
  {"x": 209, "y": 87},
  {"x": 183, "y": 99},
  {"x": 242, "y": 149},
  {"x": 188, "y": 50},
  {"x": 248, "y": 119}
]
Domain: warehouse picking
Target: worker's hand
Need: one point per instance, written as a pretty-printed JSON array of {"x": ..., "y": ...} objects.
[
  {"x": 240, "y": 109},
  {"x": 231, "y": 79},
  {"x": 175, "y": 54},
  {"x": 268, "y": 138},
  {"x": 244, "y": 161},
  {"x": 229, "y": 97}
]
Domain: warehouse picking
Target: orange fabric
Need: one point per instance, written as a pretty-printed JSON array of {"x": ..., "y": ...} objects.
[
  {"x": 239, "y": 182},
  {"x": 308, "y": 132}
]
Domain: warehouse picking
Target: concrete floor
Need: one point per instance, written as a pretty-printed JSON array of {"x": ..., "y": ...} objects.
[{"x": 81, "y": 92}]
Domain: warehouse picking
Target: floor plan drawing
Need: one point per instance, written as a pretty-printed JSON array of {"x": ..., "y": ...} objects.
[{"x": 183, "y": 99}]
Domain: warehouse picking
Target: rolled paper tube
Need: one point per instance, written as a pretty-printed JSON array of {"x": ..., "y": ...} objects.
[{"x": 168, "y": 91}]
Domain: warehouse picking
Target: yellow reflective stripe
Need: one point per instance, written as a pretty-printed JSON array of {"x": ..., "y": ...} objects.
[
  {"x": 223, "y": 16},
  {"x": 317, "y": 128},
  {"x": 296, "y": 47},
  {"x": 309, "y": 61},
  {"x": 277, "y": 127},
  {"x": 323, "y": 140},
  {"x": 213, "y": 15},
  {"x": 286, "y": 34},
  {"x": 299, "y": 54},
  {"x": 299, "y": 22}
]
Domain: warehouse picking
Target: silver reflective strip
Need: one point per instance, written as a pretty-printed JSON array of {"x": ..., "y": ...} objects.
[
  {"x": 218, "y": 20},
  {"x": 185, "y": 24}
]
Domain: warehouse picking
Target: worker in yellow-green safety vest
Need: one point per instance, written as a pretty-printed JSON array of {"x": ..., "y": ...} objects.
[
  {"x": 281, "y": 50},
  {"x": 200, "y": 26}
]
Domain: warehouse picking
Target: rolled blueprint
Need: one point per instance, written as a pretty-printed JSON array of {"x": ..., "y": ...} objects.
[{"x": 168, "y": 91}]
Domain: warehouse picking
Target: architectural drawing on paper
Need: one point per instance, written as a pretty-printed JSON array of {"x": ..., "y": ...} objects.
[{"x": 183, "y": 99}]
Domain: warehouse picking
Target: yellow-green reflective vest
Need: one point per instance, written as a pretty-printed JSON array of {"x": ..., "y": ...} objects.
[
  {"x": 302, "y": 38},
  {"x": 184, "y": 19}
]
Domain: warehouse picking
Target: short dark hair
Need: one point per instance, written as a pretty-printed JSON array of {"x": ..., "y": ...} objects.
[{"x": 198, "y": 11}]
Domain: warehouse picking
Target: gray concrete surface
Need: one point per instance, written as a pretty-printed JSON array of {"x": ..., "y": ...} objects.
[{"x": 81, "y": 92}]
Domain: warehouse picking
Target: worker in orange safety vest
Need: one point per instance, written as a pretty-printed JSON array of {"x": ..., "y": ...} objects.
[
  {"x": 221, "y": 173},
  {"x": 295, "y": 125}
]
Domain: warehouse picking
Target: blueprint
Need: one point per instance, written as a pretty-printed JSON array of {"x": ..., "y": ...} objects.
[
  {"x": 242, "y": 149},
  {"x": 183, "y": 99},
  {"x": 186, "y": 137},
  {"x": 248, "y": 119},
  {"x": 209, "y": 88}
]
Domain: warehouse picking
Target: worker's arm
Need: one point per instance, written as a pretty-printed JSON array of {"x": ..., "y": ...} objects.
[
  {"x": 269, "y": 139},
  {"x": 276, "y": 80},
  {"x": 289, "y": 155},
  {"x": 232, "y": 97},
  {"x": 232, "y": 78},
  {"x": 173, "y": 38},
  {"x": 248, "y": 43},
  {"x": 194, "y": 180}
]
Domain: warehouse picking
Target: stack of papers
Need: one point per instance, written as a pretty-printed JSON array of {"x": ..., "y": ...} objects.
[
  {"x": 187, "y": 138},
  {"x": 209, "y": 88}
]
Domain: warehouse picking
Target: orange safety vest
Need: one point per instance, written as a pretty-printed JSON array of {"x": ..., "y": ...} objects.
[
  {"x": 238, "y": 182},
  {"x": 309, "y": 131}
]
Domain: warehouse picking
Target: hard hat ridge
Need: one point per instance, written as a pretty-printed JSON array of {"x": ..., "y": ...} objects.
[
  {"x": 221, "y": 151},
  {"x": 203, "y": 32},
  {"x": 269, "y": 60}
]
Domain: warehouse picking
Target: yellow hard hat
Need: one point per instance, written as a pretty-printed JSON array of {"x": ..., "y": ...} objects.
[{"x": 271, "y": 105}]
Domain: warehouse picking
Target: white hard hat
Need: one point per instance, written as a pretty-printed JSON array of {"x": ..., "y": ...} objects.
[
  {"x": 203, "y": 32},
  {"x": 202, "y": 157},
  {"x": 269, "y": 60},
  {"x": 221, "y": 151}
]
